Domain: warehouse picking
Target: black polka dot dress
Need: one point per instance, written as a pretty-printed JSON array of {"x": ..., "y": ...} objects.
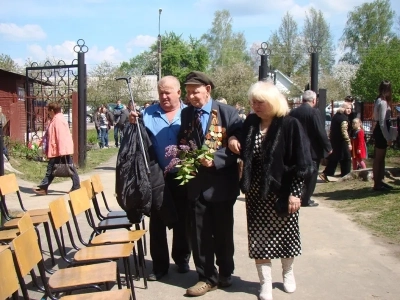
[{"x": 269, "y": 235}]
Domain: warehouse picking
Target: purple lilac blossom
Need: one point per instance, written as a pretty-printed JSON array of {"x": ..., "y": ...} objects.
[
  {"x": 175, "y": 161},
  {"x": 193, "y": 145},
  {"x": 185, "y": 148},
  {"x": 171, "y": 151}
]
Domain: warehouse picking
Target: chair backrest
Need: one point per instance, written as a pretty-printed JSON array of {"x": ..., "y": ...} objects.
[
  {"x": 96, "y": 182},
  {"x": 89, "y": 189},
  {"x": 8, "y": 279},
  {"x": 25, "y": 223},
  {"x": 79, "y": 200},
  {"x": 27, "y": 251},
  {"x": 8, "y": 184},
  {"x": 58, "y": 212}
]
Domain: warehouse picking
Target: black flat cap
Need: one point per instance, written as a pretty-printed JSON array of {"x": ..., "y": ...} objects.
[{"x": 197, "y": 77}]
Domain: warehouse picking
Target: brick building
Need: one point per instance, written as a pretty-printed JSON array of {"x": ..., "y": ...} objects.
[{"x": 13, "y": 103}]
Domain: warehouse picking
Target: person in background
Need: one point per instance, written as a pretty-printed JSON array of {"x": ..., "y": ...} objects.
[
  {"x": 58, "y": 146},
  {"x": 311, "y": 120},
  {"x": 352, "y": 115},
  {"x": 381, "y": 134},
  {"x": 222, "y": 100},
  {"x": 359, "y": 147},
  {"x": 3, "y": 122},
  {"x": 213, "y": 191},
  {"x": 117, "y": 115},
  {"x": 276, "y": 161},
  {"x": 341, "y": 144},
  {"x": 123, "y": 120},
  {"x": 96, "y": 120},
  {"x": 104, "y": 127}
]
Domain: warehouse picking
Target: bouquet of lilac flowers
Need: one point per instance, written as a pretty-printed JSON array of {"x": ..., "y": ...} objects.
[{"x": 186, "y": 159}]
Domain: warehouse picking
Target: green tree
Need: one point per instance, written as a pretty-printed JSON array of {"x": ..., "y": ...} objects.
[
  {"x": 317, "y": 33},
  {"x": 102, "y": 87},
  {"x": 367, "y": 26},
  {"x": 179, "y": 57},
  {"x": 382, "y": 62},
  {"x": 224, "y": 46},
  {"x": 232, "y": 82},
  {"x": 8, "y": 64},
  {"x": 287, "y": 54}
]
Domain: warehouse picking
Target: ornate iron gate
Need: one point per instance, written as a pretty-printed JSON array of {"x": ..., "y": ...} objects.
[{"x": 56, "y": 82}]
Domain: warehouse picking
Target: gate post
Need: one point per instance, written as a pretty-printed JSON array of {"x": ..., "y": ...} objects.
[
  {"x": 81, "y": 49},
  {"x": 264, "y": 52},
  {"x": 75, "y": 128},
  {"x": 314, "y": 50}
]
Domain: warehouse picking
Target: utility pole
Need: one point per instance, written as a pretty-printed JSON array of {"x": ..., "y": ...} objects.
[{"x": 159, "y": 43}]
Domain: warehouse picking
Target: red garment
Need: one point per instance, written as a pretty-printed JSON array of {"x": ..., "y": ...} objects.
[{"x": 358, "y": 143}]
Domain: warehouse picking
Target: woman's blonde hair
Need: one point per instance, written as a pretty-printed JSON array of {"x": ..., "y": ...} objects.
[{"x": 268, "y": 92}]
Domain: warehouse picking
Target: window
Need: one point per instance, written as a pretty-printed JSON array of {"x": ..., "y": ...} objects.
[{"x": 21, "y": 94}]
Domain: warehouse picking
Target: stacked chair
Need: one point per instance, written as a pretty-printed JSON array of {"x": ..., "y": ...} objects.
[{"x": 91, "y": 266}]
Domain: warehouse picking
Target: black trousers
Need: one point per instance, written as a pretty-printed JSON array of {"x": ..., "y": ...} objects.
[
  {"x": 345, "y": 166},
  {"x": 48, "y": 178},
  {"x": 212, "y": 235},
  {"x": 181, "y": 248},
  {"x": 309, "y": 184}
]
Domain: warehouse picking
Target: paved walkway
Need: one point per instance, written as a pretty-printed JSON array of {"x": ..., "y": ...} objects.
[{"x": 340, "y": 260}]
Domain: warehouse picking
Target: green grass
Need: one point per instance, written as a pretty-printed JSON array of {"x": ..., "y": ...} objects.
[
  {"x": 380, "y": 212},
  {"x": 34, "y": 171}
]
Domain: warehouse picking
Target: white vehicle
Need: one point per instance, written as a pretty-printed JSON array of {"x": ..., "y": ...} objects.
[{"x": 336, "y": 105}]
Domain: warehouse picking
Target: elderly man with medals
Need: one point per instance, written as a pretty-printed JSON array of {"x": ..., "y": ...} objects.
[{"x": 215, "y": 187}]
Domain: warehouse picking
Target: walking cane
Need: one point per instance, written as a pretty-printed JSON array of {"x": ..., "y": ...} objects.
[{"x": 128, "y": 81}]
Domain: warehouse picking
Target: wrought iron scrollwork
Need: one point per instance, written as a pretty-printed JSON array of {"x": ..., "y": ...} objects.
[
  {"x": 80, "y": 47},
  {"x": 264, "y": 50},
  {"x": 314, "y": 49},
  {"x": 50, "y": 82}
]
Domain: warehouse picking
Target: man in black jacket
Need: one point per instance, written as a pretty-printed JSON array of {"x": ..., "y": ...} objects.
[
  {"x": 213, "y": 191},
  {"x": 310, "y": 118}
]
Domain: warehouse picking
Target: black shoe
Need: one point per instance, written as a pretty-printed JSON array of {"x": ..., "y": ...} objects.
[
  {"x": 385, "y": 185},
  {"x": 381, "y": 188},
  {"x": 156, "y": 276},
  {"x": 310, "y": 204},
  {"x": 323, "y": 177},
  {"x": 183, "y": 268},
  {"x": 224, "y": 281}
]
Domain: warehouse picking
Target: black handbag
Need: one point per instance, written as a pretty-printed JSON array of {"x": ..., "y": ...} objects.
[
  {"x": 63, "y": 169},
  {"x": 281, "y": 206}
]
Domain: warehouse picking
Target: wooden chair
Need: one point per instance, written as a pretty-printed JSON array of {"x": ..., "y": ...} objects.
[
  {"x": 8, "y": 280},
  {"x": 97, "y": 188},
  {"x": 27, "y": 253},
  {"x": 12, "y": 225},
  {"x": 59, "y": 218},
  {"x": 9, "y": 185},
  {"x": 80, "y": 203},
  {"x": 8, "y": 235}
]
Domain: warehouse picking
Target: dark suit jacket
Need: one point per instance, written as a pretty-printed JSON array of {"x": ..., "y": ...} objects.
[
  {"x": 310, "y": 118},
  {"x": 220, "y": 182}
]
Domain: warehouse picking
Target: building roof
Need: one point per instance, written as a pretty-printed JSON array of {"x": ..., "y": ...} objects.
[{"x": 4, "y": 73}]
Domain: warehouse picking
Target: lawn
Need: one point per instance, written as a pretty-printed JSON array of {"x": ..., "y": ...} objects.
[
  {"x": 379, "y": 212},
  {"x": 34, "y": 171}
]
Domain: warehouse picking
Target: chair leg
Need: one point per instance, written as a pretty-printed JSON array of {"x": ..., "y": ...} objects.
[
  {"x": 127, "y": 274},
  {"x": 48, "y": 236},
  {"x": 144, "y": 238},
  {"x": 118, "y": 278},
  {"x": 142, "y": 262},
  {"x": 131, "y": 279},
  {"x": 41, "y": 251},
  {"x": 135, "y": 260}
]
